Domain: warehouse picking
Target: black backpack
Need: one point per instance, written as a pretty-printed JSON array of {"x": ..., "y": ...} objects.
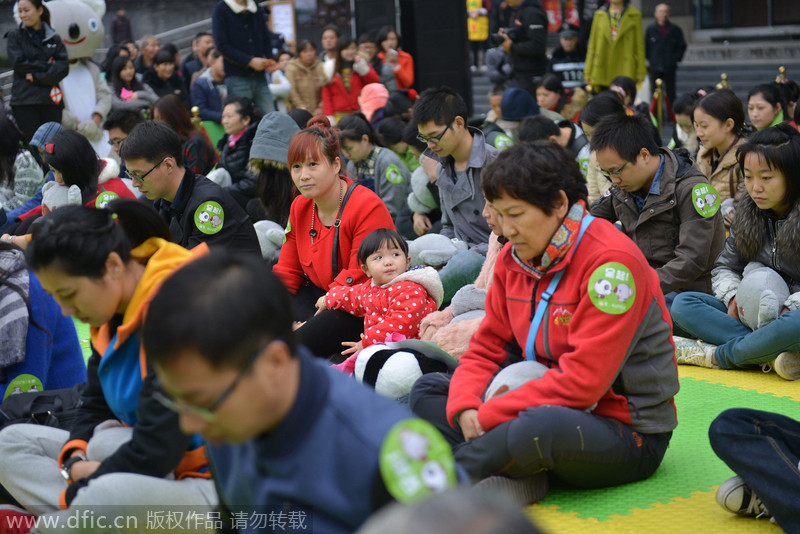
[{"x": 56, "y": 407}]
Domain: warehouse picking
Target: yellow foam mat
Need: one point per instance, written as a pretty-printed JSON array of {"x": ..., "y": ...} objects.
[
  {"x": 697, "y": 514},
  {"x": 697, "y": 511}
]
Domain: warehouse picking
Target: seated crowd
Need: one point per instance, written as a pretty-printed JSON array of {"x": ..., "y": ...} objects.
[{"x": 248, "y": 272}]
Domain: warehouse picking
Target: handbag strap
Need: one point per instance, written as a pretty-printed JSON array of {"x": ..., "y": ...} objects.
[
  {"x": 544, "y": 302},
  {"x": 335, "y": 253}
]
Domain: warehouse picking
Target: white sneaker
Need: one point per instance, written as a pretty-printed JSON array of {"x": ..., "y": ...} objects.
[
  {"x": 694, "y": 352},
  {"x": 787, "y": 365},
  {"x": 736, "y": 496}
]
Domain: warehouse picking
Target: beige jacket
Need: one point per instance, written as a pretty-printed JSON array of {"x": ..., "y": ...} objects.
[{"x": 306, "y": 83}]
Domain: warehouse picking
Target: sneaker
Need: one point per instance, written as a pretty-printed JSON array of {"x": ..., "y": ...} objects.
[
  {"x": 521, "y": 490},
  {"x": 736, "y": 496},
  {"x": 787, "y": 365},
  {"x": 694, "y": 352}
]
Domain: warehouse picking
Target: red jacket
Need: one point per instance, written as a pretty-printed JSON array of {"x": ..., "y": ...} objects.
[
  {"x": 299, "y": 258},
  {"x": 396, "y": 307},
  {"x": 336, "y": 99},
  {"x": 404, "y": 76},
  {"x": 624, "y": 362}
]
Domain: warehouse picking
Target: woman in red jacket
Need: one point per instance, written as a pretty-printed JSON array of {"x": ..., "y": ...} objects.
[
  {"x": 401, "y": 62},
  {"x": 326, "y": 225},
  {"x": 575, "y": 348},
  {"x": 351, "y": 74}
]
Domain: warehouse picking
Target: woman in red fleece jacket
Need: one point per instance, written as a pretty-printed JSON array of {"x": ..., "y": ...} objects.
[
  {"x": 351, "y": 73},
  {"x": 588, "y": 396},
  {"x": 323, "y": 213}
]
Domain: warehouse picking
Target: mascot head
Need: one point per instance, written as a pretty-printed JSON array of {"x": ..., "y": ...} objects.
[{"x": 79, "y": 23}]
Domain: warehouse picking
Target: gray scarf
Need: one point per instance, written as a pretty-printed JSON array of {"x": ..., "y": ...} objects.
[{"x": 14, "y": 295}]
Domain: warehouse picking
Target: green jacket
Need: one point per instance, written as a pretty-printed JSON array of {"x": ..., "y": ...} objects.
[{"x": 625, "y": 56}]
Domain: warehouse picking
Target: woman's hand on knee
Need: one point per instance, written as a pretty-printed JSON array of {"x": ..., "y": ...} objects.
[{"x": 470, "y": 427}]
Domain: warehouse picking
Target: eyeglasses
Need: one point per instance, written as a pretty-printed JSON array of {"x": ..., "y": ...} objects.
[
  {"x": 609, "y": 174},
  {"x": 141, "y": 177},
  {"x": 433, "y": 138},
  {"x": 209, "y": 414},
  {"x": 115, "y": 142}
]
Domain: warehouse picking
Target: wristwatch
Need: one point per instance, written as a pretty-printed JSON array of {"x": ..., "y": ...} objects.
[{"x": 69, "y": 463}]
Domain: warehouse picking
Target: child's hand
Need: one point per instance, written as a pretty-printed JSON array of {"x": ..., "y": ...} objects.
[
  {"x": 354, "y": 347},
  {"x": 320, "y": 305},
  {"x": 297, "y": 324}
]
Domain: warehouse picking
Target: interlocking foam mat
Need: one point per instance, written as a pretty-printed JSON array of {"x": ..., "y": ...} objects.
[{"x": 680, "y": 496}]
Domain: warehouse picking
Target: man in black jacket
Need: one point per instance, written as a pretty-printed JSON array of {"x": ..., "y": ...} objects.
[
  {"x": 197, "y": 209},
  {"x": 526, "y": 43},
  {"x": 664, "y": 48}
]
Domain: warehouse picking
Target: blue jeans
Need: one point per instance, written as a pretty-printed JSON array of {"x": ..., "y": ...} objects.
[
  {"x": 255, "y": 88},
  {"x": 764, "y": 449},
  {"x": 705, "y": 317}
]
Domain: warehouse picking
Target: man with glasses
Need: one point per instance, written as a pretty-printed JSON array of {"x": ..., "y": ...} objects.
[
  {"x": 663, "y": 202},
  {"x": 440, "y": 115},
  {"x": 119, "y": 124},
  {"x": 197, "y": 209},
  {"x": 284, "y": 431}
]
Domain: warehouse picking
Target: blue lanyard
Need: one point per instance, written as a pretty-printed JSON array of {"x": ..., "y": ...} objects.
[{"x": 544, "y": 302}]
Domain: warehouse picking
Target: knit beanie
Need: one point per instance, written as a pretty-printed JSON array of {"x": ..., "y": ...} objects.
[
  {"x": 272, "y": 137},
  {"x": 518, "y": 104},
  {"x": 372, "y": 98}
]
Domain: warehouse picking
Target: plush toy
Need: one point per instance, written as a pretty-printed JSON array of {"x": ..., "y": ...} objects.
[
  {"x": 468, "y": 303},
  {"x": 434, "y": 250},
  {"x": 393, "y": 367},
  {"x": 86, "y": 95},
  {"x": 55, "y": 195},
  {"x": 420, "y": 199},
  {"x": 760, "y": 295},
  {"x": 271, "y": 237},
  {"x": 220, "y": 176},
  {"x": 517, "y": 375},
  {"x": 514, "y": 376}
]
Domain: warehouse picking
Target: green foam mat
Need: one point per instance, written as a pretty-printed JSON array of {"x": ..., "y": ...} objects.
[
  {"x": 84, "y": 337},
  {"x": 689, "y": 465}
]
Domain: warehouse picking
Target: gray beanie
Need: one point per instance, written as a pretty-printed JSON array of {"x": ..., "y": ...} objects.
[{"x": 272, "y": 137}]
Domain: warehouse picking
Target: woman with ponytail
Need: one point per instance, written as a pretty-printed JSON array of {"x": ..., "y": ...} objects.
[{"x": 104, "y": 266}]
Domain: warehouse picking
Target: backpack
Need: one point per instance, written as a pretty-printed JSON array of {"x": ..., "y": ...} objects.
[{"x": 56, "y": 407}]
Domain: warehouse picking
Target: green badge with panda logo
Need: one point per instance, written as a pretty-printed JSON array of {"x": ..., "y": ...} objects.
[
  {"x": 23, "y": 384},
  {"x": 393, "y": 174},
  {"x": 705, "y": 199},
  {"x": 416, "y": 461},
  {"x": 502, "y": 142},
  {"x": 612, "y": 288},
  {"x": 104, "y": 198},
  {"x": 209, "y": 217}
]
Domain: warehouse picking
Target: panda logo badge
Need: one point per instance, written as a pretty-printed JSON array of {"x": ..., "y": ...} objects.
[
  {"x": 706, "y": 200},
  {"x": 209, "y": 217},
  {"x": 416, "y": 461},
  {"x": 104, "y": 198},
  {"x": 394, "y": 175},
  {"x": 612, "y": 288}
]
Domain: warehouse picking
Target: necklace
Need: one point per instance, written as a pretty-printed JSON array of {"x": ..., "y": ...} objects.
[{"x": 313, "y": 232}]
